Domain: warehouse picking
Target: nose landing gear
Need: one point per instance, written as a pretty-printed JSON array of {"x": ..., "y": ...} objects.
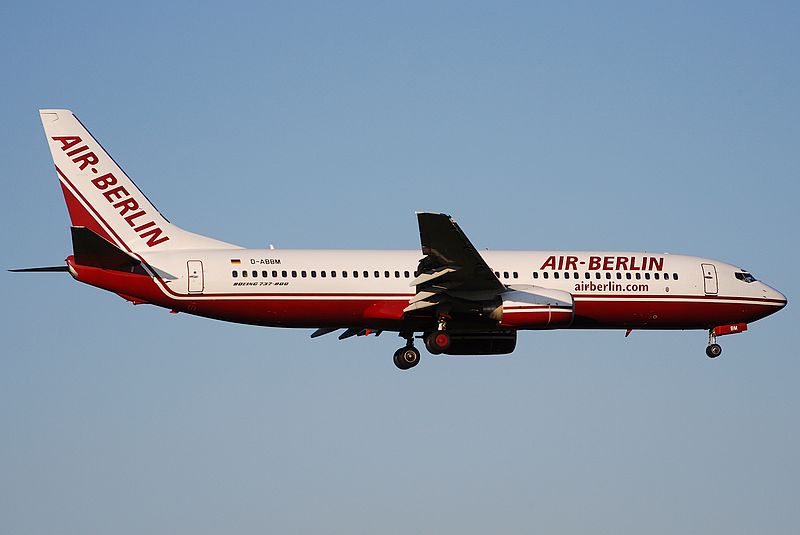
[{"x": 714, "y": 349}]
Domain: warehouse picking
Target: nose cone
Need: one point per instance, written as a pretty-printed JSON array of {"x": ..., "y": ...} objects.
[{"x": 775, "y": 296}]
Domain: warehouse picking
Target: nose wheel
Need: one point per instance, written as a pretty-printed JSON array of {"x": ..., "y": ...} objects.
[{"x": 713, "y": 351}]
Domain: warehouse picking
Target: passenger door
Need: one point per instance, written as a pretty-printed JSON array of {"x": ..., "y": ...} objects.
[{"x": 710, "y": 279}]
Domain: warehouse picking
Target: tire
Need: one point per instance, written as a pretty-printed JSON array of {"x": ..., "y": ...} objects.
[
  {"x": 433, "y": 350},
  {"x": 437, "y": 342},
  {"x": 713, "y": 351},
  {"x": 407, "y": 357}
]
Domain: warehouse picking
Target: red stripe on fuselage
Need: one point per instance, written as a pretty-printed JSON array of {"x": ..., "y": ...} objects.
[{"x": 379, "y": 312}]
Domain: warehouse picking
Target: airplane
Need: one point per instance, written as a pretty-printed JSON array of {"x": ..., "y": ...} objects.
[{"x": 460, "y": 300}]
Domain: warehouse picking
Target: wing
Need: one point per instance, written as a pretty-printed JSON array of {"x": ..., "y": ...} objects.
[{"x": 451, "y": 268}]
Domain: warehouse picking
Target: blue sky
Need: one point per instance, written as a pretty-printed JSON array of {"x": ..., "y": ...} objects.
[{"x": 566, "y": 125}]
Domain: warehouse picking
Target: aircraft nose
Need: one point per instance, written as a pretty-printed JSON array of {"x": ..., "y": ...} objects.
[{"x": 772, "y": 293}]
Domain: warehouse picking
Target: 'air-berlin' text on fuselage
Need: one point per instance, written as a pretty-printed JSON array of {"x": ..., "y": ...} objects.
[
  {"x": 607, "y": 263},
  {"x": 117, "y": 196}
]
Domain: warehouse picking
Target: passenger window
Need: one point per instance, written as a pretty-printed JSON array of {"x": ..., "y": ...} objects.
[
  {"x": 628, "y": 275},
  {"x": 396, "y": 274},
  {"x": 303, "y": 274},
  {"x": 294, "y": 274},
  {"x": 377, "y": 274},
  {"x": 283, "y": 274},
  {"x": 235, "y": 274},
  {"x": 647, "y": 276},
  {"x": 333, "y": 273},
  {"x": 655, "y": 276},
  {"x": 265, "y": 274},
  {"x": 244, "y": 273},
  {"x": 597, "y": 275},
  {"x": 255, "y": 273},
  {"x": 587, "y": 275},
  {"x": 619, "y": 275},
  {"x": 355, "y": 274},
  {"x": 608, "y": 274},
  {"x": 344, "y": 274},
  {"x": 546, "y": 275},
  {"x": 555, "y": 274},
  {"x": 313, "y": 274},
  {"x": 505, "y": 274},
  {"x": 275, "y": 274},
  {"x": 674, "y": 276},
  {"x": 638, "y": 276},
  {"x": 515, "y": 275},
  {"x": 497, "y": 274},
  {"x": 407, "y": 274},
  {"x": 566, "y": 274},
  {"x": 576, "y": 275},
  {"x": 366, "y": 274},
  {"x": 386, "y": 274},
  {"x": 323, "y": 274},
  {"x": 535, "y": 275}
]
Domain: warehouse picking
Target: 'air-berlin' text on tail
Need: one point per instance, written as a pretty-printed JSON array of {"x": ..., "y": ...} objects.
[{"x": 101, "y": 197}]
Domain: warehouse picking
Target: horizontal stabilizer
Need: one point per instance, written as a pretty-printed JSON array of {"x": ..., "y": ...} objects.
[
  {"x": 93, "y": 250},
  {"x": 50, "y": 269}
]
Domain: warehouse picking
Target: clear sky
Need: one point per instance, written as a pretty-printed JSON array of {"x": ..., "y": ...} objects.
[{"x": 670, "y": 126}]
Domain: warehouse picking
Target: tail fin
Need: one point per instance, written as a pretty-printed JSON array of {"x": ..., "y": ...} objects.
[{"x": 102, "y": 198}]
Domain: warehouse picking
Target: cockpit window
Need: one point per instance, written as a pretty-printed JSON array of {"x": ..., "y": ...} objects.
[{"x": 745, "y": 276}]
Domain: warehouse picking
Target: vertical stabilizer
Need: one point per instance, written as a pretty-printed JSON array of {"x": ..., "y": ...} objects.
[{"x": 101, "y": 197}]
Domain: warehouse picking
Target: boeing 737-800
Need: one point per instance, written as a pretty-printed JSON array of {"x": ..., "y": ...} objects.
[{"x": 458, "y": 300}]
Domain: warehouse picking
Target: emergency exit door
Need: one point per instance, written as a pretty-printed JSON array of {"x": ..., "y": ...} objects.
[
  {"x": 195, "y": 268},
  {"x": 710, "y": 279}
]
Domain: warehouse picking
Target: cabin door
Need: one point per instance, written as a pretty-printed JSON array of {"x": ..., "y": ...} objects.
[
  {"x": 195, "y": 268},
  {"x": 710, "y": 279}
]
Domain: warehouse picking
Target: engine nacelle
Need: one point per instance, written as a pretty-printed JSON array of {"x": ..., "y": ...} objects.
[
  {"x": 482, "y": 343},
  {"x": 534, "y": 307}
]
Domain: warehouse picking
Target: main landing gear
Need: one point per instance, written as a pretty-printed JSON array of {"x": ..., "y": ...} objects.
[
  {"x": 437, "y": 342},
  {"x": 407, "y": 356}
]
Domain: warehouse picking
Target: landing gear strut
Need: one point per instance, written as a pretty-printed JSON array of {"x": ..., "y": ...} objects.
[
  {"x": 407, "y": 356},
  {"x": 714, "y": 349}
]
